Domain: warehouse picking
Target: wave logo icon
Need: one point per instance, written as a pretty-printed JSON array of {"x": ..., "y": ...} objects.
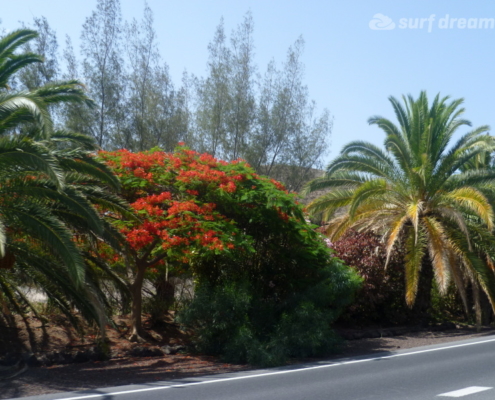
[{"x": 381, "y": 22}]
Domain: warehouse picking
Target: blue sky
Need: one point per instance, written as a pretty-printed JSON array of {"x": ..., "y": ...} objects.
[{"x": 351, "y": 69}]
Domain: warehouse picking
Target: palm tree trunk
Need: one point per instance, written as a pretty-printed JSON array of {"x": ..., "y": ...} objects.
[
  {"x": 422, "y": 304},
  {"x": 486, "y": 309}
]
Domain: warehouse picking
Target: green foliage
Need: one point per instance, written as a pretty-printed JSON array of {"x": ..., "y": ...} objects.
[
  {"x": 236, "y": 321},
  {"x": 280, "y": 299},
  {"x": 449, "y": 307}
]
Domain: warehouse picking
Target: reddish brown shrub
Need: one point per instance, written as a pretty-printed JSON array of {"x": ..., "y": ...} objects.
[{"x": 381, "y": 298}]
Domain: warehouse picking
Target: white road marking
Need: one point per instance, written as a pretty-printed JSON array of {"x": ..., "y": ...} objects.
[
  {"x": 289, "y": 371},
  {"x": 465, "y": 391}
]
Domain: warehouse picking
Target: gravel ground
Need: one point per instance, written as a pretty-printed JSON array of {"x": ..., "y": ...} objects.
[{"x": 127, "y": 370}]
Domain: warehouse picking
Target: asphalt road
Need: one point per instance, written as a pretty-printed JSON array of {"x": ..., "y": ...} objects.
[{"x": 463, "y": 369}]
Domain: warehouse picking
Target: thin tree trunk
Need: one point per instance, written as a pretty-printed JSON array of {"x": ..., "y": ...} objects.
[
  {"x": 477, "y": 304},
  {"x": 136, "y": 307}
]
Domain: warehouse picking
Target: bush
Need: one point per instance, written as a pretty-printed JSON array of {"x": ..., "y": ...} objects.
[
  {"x": 380, "y": 301},
  {"x": 244, "y": 320}
]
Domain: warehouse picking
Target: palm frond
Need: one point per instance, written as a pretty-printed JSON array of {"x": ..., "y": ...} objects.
[
  {"x": 438, "y": 247},
  {"x": 71, "y": 91},
  {"x": 11, "y": 63},
  {"x": 90, "y": 168},
  {"x": 36, "y": 221},
  {"x": 331, "y": 201},
  {"x": 475, "y": 201},
  {"x": 415, "y": 251},
  {"x": 338, "y": 179},
  {"x": 19, "y": 153},
  {"x": 24, "y": 107},
  {"x": 396, "y": 227},
  {"x": 374, "y": 188}
]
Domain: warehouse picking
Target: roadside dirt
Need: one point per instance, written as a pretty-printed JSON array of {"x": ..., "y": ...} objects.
[{"x": 124, "y": 369}]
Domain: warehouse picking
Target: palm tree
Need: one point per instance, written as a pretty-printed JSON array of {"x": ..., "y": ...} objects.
[
  {"x": 50, "y": 184},
  {"x": 417, "y": 193},
  {"x": 27, "y": 154}
]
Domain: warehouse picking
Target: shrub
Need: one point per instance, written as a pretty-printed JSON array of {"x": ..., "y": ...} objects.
[
  {"x": 277, "y": 301},
  {"x": 380, "y": 300}
]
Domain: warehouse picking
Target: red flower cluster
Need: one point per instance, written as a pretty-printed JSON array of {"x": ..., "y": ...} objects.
[
  {"x": 278, "y": 185},
  {"x": 152, "y": 203},
  {"x": 146, "y": 161},
  {"x": 206, "y": 174},
  {"x": 138, "y": 238},
  {"x": 165, "y": 190},
  {"x": 140, "y": 173},
  {"x": 190, "y": 206},
  {"x": 229, "y": 187}
]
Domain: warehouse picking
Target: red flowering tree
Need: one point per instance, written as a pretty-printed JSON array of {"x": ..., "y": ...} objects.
[{"x": 175, "y": 197}]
